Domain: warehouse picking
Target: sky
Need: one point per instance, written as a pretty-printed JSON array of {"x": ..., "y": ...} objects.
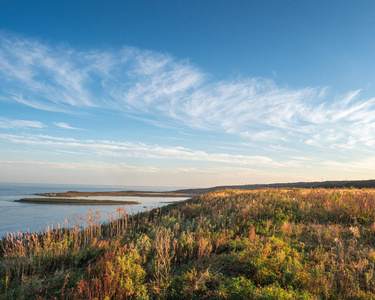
[{"x": 186, "y": 93}]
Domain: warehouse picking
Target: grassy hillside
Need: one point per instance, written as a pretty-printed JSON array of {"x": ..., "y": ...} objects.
[
  {"x": 307, "y": 185},
  {"x": 233, "y": 244}
]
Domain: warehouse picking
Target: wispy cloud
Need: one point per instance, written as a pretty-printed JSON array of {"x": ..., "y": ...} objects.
[
  {"x": 170, "y": 92},
  {"x": 14, "y": 124},
  {"x": 139, "y": 150},
  {"x": 125, "y": 174},
  {"x": 94, "y": 172},
  {"x": 66, "y": 126}
]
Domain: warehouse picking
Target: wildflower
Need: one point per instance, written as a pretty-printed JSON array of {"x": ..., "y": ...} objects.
[{"x": 355, "y": 231}]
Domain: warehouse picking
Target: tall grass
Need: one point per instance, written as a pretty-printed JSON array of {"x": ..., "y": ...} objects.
[{"x": 232, "y": 244}]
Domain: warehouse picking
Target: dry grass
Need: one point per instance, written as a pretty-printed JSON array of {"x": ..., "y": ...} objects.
[{"x": 232, "y": 244}]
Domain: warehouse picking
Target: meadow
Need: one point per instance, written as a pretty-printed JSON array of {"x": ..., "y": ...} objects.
[{"x": 230, "y": 244}]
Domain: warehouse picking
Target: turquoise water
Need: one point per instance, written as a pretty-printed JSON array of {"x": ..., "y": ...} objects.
[{"x": 20, "y": 217}]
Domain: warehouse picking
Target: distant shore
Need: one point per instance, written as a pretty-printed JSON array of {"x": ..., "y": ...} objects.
[
  {"x": 74, "y": 194},
  {"x": 75, "y": 201},
  {"x": 190, "y": 192}
]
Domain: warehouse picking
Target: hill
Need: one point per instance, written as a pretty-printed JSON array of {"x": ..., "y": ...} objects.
[{"x": 316, "y": 184}]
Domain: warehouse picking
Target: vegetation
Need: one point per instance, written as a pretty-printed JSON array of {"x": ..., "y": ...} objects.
[
  {"x": 232, "y": 244},
  {"x": 308, "y": 185},
  {"x": 75, "y": 201}
]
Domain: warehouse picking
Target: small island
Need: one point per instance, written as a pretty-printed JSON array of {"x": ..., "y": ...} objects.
[
  {"x": 75, "y": 201},
  {"x": 118, "y": 193}
]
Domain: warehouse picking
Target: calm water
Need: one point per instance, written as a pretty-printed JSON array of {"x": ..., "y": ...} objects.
[{"x": 15, "y": 216}]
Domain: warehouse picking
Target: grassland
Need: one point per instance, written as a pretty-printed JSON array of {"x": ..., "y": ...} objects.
[
  {"x": 75, "y": 201},
  {"x": 233, "y": 244}
]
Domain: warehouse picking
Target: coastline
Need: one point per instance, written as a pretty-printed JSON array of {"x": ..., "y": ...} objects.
[{"x": 21, "y": 216}]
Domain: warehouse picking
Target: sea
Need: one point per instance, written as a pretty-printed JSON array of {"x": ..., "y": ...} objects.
[{"x": 23, "y": 217}]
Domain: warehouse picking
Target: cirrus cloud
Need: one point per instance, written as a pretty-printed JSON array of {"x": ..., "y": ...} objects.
[
  {"x": 65, "y": 126},
  {"x": 15, "y": 124},
  {"x": 106, "y": 148},
  {"x": 166, "y": 91}
]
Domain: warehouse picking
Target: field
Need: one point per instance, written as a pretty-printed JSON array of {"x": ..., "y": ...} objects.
[{"x": 232, "y": 244}]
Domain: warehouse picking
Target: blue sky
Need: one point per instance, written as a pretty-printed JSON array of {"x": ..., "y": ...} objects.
[{"x": 186, "y": 93}]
